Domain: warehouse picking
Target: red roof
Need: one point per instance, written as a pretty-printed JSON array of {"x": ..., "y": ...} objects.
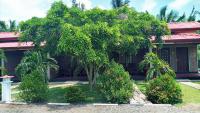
[
  {"x": 10, "y": 45},
  {"x": 184, "y": 25},
  {"x": 9, "y": 35},
  {"x": 181, "y": 38},
  {"x": 17, "y": 45}
]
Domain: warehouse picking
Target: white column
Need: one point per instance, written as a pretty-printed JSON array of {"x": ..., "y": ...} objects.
[{"x": 6, "y": 89}]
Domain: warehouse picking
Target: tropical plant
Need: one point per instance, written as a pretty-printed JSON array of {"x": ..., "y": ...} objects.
[
  {"x": 8, "y": 28},
  {"x": 172, "y": 16},
  {"x": 35, "y": 61},
  {"x": 193, "y": 15},
  {"x": 115, "y": 84},
  {"x": 33, "y": 87},
  {"x": 164, "y": 90},
  {"x": 155, "y": 66},
  {"x": 119, "y": 3},
  {"x": 3, "y": 26}
]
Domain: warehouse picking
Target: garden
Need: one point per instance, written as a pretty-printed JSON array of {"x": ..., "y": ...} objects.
[{"x": 90, "y": 37}]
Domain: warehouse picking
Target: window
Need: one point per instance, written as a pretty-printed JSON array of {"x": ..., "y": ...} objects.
[{"x": 165, "y": 54}]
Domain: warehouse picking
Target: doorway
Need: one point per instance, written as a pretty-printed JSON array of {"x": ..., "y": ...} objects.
[{"x": 182, "y": 59}]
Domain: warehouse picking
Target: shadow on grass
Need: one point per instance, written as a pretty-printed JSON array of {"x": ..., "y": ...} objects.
[{"x": 56, "y": 95}]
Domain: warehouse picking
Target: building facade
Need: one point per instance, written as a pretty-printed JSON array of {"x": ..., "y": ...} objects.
[{"x": 179, "y": 50}]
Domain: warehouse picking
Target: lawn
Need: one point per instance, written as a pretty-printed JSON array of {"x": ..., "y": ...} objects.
[
  {"x": 141, "y": 85},
  {"x": 197, "y": 82},
  {"x": 190, "y": 95},
  {"x": 56, "y": 94}
]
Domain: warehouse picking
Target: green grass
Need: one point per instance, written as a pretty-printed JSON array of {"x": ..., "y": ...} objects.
[
  {"x": 197, "y": 82},
  {"x": 57, "y": 94},
  {"x": 190, "y": 95},
  {"x": 141, "y": 85}
]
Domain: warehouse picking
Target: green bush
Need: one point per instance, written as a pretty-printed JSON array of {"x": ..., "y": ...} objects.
[
  {"x": 0, "y": 90},
  {"x": 33, "y": 88},
  {"x": 115, "y": 84},
  {"x": 164, "y": 90},
  {"x": 74, "y": 95}
]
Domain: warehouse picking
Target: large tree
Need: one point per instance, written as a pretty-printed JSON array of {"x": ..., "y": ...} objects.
[{"x": 91, "y": 36}]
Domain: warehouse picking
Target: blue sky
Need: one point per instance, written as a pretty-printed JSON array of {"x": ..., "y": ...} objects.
[{"x": 25, "y": 9}]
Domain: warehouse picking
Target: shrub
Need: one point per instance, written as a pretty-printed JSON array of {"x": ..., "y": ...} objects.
[
  {"x": 33, "y": 88},
  {"x": 155, "y": 66},
  {"x": 0, "y": 90},
  {"x": 164, "y": 90},
  {"x": 115, "y": 84},
  {"x": 74, "y": 94}
]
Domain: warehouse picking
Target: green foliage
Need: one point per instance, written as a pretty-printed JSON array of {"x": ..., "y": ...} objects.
[
  {"x": 90, "y": 36},
  {"x": 74, "y": 95},
  {"x": 164, "y": 90},
  {"x": 12, "y": 27},
  {"x": 35, "y": 61},
  {"x": 0, "y": 90},
  {"x": 33, "y": 88},
  {"x": 155, "y": 66},
  {"x": 3, "y": 57},
  {"x": 119, "y": 3},
  {"x": 57, "y": 94},
  {"x": 172, "y": 16},
  {"x": 3, "y": 26},
  {"x": 57, "y": 10},
  {"x": 115, "y": 84}
]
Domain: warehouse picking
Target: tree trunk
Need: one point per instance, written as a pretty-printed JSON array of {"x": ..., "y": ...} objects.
[{"x": 92, "y": 74}]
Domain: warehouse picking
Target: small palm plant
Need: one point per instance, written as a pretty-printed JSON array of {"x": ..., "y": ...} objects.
[
  {"x": 155, "y": 66},
  {"x": 35, "y": 60}
]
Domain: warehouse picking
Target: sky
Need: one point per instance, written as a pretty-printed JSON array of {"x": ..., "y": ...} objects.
[{"x": 21, "y": 10}]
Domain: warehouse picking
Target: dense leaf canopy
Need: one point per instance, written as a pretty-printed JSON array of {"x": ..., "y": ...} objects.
[{"x": 92, "y": 35}]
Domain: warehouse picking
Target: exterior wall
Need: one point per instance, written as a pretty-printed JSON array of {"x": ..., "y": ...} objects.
[
  {"x": 192, "y": 55},
  {"x": 13, "y": 58},
  {"x": 173, "y": 61}
]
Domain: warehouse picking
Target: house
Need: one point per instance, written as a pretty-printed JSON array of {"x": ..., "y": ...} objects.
[{"x": 179, "y": 50}]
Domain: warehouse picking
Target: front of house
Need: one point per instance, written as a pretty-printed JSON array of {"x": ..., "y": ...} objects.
[{"x": 179, "y": 50}]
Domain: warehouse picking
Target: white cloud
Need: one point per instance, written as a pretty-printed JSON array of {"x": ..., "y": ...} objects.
[
  {"x": 149, "y": 5},
  {"x": 25, "y": 9},
  {"x": 178, "y": 4}
]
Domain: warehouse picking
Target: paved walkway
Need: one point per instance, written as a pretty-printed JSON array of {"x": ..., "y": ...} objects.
[
  {"x": 4, "y": 108},
  {"x": 138, "y": 97},
  {"x": 191, "y": 84}
]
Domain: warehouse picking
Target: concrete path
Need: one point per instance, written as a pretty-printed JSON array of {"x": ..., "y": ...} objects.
[
  {"x": 138, "y": 97},
  {"x": 191, "y": 84},
  {"x": 4, "y": 108}
]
